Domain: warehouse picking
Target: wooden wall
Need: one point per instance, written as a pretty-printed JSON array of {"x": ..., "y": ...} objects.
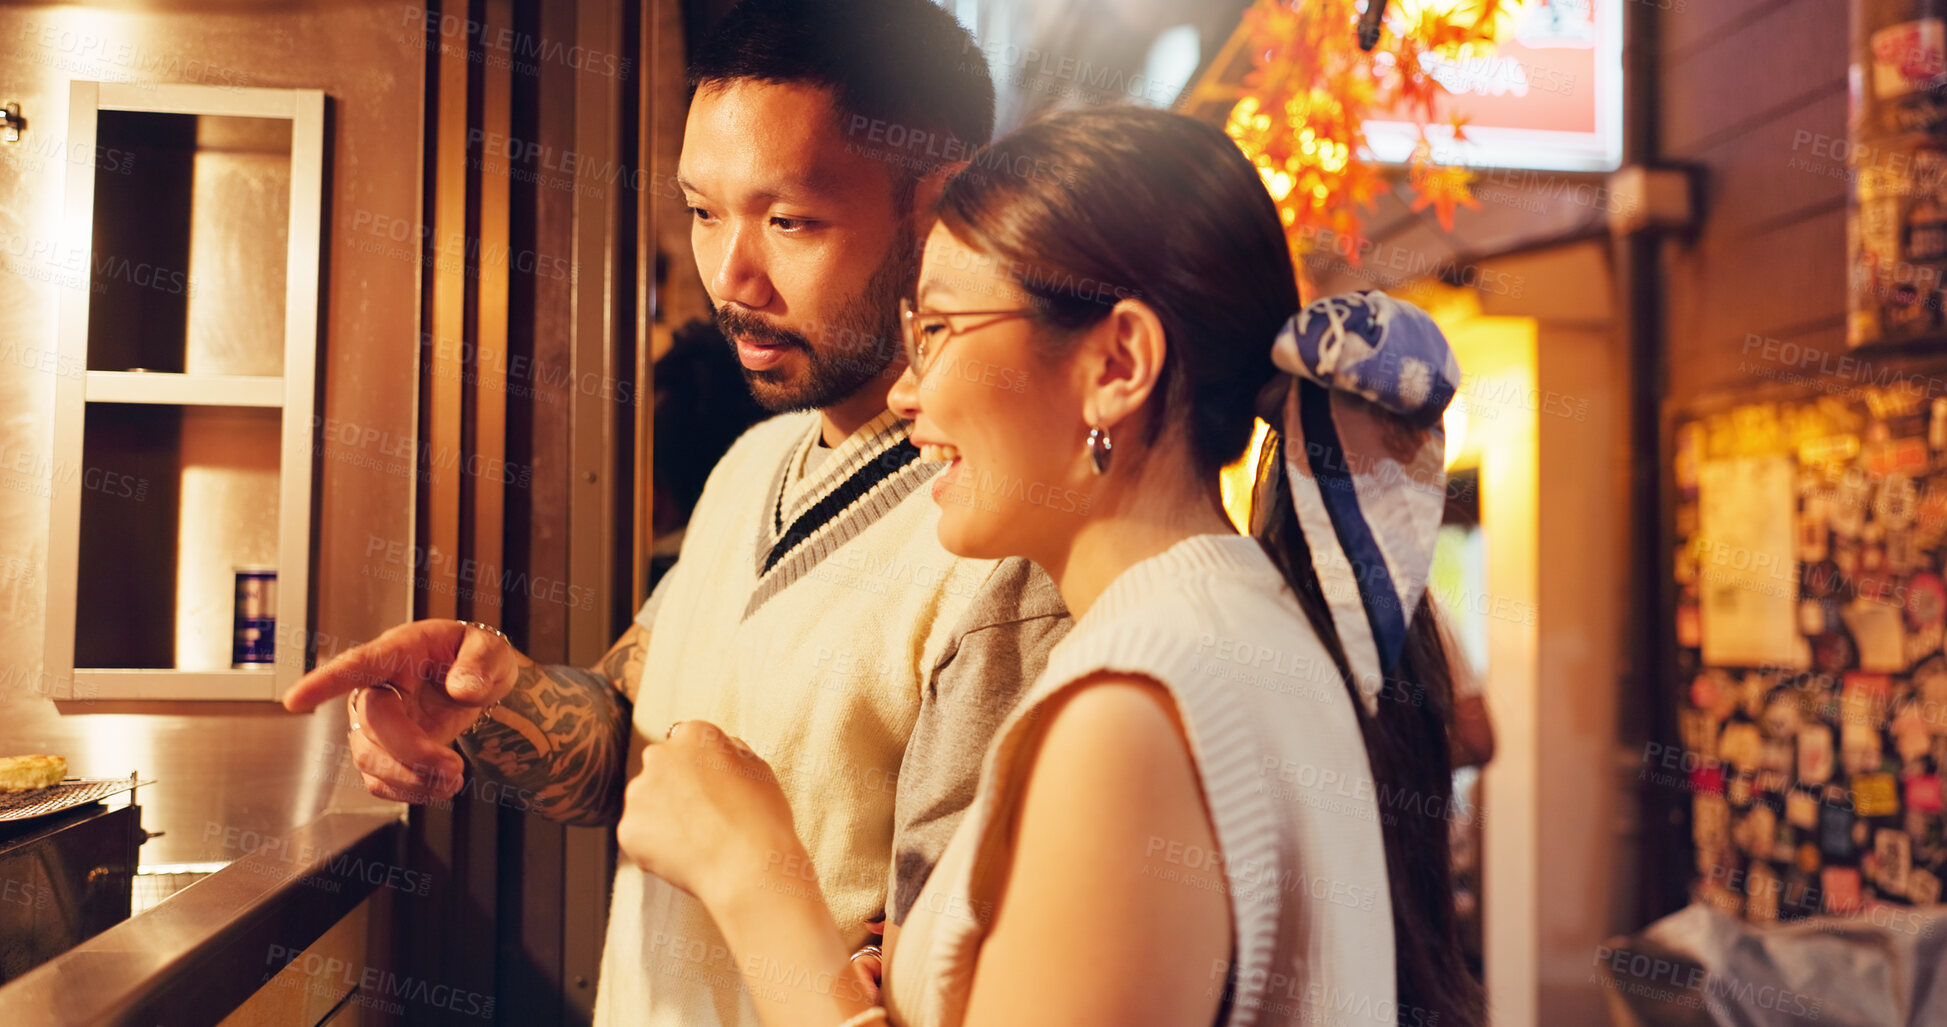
[{"x": 1754, "y": 91}]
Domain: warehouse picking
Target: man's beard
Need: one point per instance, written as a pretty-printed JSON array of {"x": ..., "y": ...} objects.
[{"x": 858, "y": 344}]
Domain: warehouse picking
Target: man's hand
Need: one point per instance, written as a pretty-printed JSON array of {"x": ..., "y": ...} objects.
[{"x": 446, "y": 673}]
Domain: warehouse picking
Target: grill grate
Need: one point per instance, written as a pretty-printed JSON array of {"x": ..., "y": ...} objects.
[
  {"x": 156, "y": 882},
  {"x": 68, "y": 794}
]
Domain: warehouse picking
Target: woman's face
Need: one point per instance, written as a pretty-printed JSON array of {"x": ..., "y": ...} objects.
[{"x": 999, "y": 404}]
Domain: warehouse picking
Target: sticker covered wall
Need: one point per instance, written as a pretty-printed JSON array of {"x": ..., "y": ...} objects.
[{"x": 1811, "y": 585}]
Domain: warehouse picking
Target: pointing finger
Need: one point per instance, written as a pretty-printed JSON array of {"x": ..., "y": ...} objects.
[{"x": 396, "y": 656}]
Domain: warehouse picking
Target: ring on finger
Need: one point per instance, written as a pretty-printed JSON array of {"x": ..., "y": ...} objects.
[
  {"x": 867, "y": 950},
  {"x": 488, "y": 628},
  {"x": 352, "y": 702}
]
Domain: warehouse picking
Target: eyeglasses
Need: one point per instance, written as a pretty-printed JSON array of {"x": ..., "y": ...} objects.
[{"x": 927, "y": 331}]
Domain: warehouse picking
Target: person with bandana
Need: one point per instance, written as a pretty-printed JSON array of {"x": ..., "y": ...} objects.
[{"x": 1224, "y": 800}]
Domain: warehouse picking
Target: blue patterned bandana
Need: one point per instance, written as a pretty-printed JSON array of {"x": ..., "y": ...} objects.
[
  {"x": 1370, "y": 513},
  {"x": 1376, "y": 348}
]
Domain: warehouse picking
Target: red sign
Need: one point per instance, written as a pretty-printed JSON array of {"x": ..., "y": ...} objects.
[{"x": 1549, "y": 97}]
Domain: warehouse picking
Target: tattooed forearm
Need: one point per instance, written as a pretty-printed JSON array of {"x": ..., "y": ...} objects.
[
  {"x": 622, "y": 666},
  {"x": 560, "y": 739}
]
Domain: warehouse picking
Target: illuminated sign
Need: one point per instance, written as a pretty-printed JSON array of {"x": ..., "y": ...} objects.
[{"x": 1549, "y": 98}]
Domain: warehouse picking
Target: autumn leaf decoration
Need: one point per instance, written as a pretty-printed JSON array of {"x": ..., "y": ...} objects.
[
  {"x": 1302, "y": 116},
  {"x": 1440, "y": 186}
]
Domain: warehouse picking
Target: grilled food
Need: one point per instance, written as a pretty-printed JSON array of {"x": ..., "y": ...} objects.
[{"x": 26, "y": 773}]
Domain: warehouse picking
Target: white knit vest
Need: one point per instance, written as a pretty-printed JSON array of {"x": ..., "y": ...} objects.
[{"x": 1285, "y": 778}]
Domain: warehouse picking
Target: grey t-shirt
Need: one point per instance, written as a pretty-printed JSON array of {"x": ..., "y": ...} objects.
[
  {"x": 815, "y": 459},
  {"x": 999, "y": 649}
]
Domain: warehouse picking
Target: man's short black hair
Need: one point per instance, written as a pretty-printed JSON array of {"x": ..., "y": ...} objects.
[{"x": 909, "y": 84}]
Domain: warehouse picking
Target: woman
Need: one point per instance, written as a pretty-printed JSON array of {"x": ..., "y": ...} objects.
[{"x": 1183, "y": 821}]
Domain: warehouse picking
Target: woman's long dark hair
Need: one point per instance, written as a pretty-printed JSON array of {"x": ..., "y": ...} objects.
[{"x": 1087, "y": 207}]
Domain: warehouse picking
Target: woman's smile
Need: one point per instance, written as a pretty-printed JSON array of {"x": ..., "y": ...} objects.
[{"x": 937, "y": 451}]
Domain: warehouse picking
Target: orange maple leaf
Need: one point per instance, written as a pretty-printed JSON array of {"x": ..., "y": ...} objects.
[
  {"x": 1301, "y": 118},
  {"x": 1443, "y": 188}
]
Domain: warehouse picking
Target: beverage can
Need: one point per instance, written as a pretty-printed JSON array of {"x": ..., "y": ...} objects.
[{"x": 255, "y": 641}]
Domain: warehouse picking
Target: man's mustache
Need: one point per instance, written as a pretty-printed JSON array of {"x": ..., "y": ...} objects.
[{"x": 737, "y": 324}]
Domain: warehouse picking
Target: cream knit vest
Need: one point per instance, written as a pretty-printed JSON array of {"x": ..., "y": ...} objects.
[
  {"x": 817, "y": 665},
  {"x": 1284, "y": 775}
]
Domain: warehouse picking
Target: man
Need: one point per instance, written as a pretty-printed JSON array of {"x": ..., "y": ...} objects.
[{"x": 813, "y": 612}]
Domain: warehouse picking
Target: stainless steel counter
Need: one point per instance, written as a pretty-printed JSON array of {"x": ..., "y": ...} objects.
[{"x": 201, "y": 953}]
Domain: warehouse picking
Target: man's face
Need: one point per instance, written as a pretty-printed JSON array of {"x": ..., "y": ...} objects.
[{"x": 800, "y": 244}]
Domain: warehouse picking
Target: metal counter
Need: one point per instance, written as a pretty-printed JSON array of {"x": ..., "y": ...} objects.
[{"x": 209, "y": 947}]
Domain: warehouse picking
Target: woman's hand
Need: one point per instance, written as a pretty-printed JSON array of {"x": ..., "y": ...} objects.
[
  {"x": 869, "y": 962},
  {"x": 706, "y": 814}
]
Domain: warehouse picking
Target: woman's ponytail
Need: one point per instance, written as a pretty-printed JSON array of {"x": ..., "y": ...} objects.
[{"x": 1407, "y": 744}]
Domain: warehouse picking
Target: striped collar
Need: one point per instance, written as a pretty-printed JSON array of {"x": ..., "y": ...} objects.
[{"x": 861, "y": 481}]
